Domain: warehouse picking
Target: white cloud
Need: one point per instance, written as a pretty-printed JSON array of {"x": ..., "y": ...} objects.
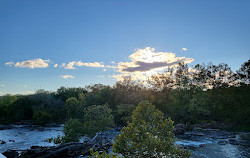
[
  {"x": 146, "y": 62},
  {"x": 35, "y": 63},
  {"x": 2, "y": 85},
  {"x": 112, "y": 62},
  {"x": 56, "y": 65},
  {"x": 104, "y": 70},
  {"x": 94, "y": 64},
  {"x": 70, "y": 65},
  {"x": 25, "y": 85},
  {"x": 184, "y": 49},
  {"x": 110, "y": 66},
  {"x": 1, "y": 92},
  {"x": 67, "y": 76},
  {"x": 9, "y": 63},
  {"x": 63, "y": 64}
]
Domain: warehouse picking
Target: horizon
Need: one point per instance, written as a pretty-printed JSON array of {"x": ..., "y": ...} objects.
[{"x": 49, "y": 44}]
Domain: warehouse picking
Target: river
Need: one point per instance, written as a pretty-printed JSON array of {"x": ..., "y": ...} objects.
[{"x": 209, "y": 143}]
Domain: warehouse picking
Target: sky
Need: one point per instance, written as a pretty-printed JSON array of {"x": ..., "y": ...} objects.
[{"x": 46, "y": 44}]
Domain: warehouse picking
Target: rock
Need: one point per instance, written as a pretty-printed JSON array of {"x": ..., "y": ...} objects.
[
  {"x": 2, "y": 142},
  {"x": 11, "y": 140},
  {"x": 222, "y": 142},
  {"x": 11, "y": 153},
  {"x": 234, "y": 142},
  {"x": 4, "y": 127},
  {"x": 179, "y": 129}
]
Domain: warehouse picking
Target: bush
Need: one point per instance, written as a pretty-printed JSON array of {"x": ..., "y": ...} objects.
[
  {"x": 96, "y": 119},
  {"x": 72, "y": 131},
  {"x": 148, "y": 135}
]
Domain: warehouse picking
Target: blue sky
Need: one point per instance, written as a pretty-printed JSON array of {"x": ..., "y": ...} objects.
[{"x": 95, "y": 33}]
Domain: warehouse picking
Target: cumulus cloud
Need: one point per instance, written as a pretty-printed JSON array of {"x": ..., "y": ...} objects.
[
  {"x": 9, "y": 63},
  {"x": 184, "y": 49},
  {"x": 67, "y": 76},
  {"x": 35, "y": 63},
  {"x": 146, "y": 62},
  {"x": 70, "y": 65},
  {"x": 94, "y": 64},
  {"x": 56, "y": 65}
]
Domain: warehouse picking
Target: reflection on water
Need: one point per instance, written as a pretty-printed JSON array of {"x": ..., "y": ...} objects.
[{"x": 202, "y": 143}]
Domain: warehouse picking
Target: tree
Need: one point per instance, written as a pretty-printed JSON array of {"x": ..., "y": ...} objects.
[
  {"x": 97, "y": 118},
  {"x": 123, "y": 113},
  {"x": 244, "y": 72},
  {"x": 74, "y": 108},
  {"x": 148, "y": 135},
  {"x": 72, "y": 131}
]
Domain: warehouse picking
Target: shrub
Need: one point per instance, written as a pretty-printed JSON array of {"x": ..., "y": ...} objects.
[{"x": 148, "y": 135}]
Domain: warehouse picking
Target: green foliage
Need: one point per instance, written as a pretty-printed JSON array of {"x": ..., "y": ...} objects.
[
  {"x": 56, "y": 140},
  {"x": 16, "y": 108},
  {"x": 41, "y": 117},
  {"x": 74, "y": 108},
  {"x": 6, "y": 102},
  {"x": 65, "y": 93},
  {"x": 47, "y": 108},
  {"x": 103, "y": 155},
  {"x": 124, "y": 113},
  {"x": 97, "y": 118},
  {"x": 148, "y": 135},
  {"x": 72, "y": 131}
]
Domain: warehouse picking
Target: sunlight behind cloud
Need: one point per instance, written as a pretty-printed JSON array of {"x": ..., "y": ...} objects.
[{"x": 146, "y": 62}]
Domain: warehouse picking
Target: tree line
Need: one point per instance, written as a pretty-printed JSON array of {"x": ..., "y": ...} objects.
[{"x": 189, "y": 95}]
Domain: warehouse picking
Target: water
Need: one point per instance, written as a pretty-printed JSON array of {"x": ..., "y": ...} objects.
[
  {"x": 23, "y": 137},
  {"x": 202, "y": 144}
]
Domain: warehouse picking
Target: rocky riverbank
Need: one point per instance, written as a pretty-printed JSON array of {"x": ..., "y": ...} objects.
[
  {"x": 98, "y": 143},
  {"x": 202, "y": 141}
]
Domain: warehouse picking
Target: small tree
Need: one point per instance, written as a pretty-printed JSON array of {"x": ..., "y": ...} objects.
[
  {"x": 148, "y": 135},
  {"x": 72, "y": 131},
  {"x": 96, "y": 119},
  {"x": 74, "y": 108}
]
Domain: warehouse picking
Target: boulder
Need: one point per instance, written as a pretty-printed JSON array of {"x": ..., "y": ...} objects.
[
  {"x": 179, "y": 129},
  {"x": 10, "y": 153}
]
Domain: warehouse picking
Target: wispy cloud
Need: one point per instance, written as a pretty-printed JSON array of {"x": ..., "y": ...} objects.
[
  {"x": 35, "y": 63},
  {"x": 67, "y": 76},
  {"x": 63, "y": 64},
  {"x": 184, "y": 49},
  {"x": 56, "y": 65},
  {"x": 146, "y": 62},
  {"x": 94, "y": 64},
  {"x": 9, "y": 63},
  {"x": 100, "y": 76},
  {"x": 2, "y": 85}
]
